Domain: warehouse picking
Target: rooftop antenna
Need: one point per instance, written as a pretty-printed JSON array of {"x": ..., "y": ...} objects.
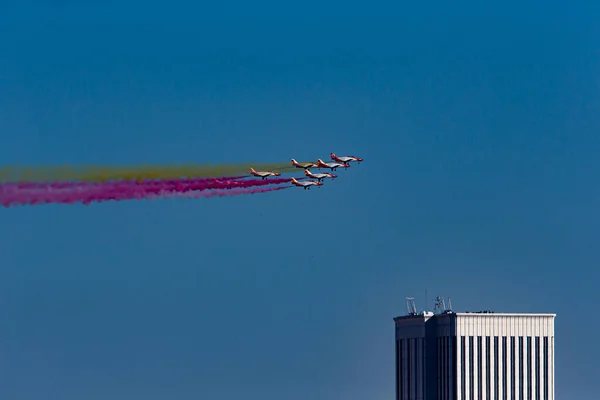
[
  {"x": 410, "y": 306},
  {"x": 440, "y": 304},
  {"x": 449, "y": 309},
  {"x": 426, "y": 302}
]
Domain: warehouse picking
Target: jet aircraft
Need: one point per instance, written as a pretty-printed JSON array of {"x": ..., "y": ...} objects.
[
  {"x": 305, "y": 184},
  {"x": 332, "y": 166},
  {"x": 345, "y": 159},
  {"x": 319, "y": 177},
  {"x": 264, "y": 174},
  {"x": 303, "y": 165}
]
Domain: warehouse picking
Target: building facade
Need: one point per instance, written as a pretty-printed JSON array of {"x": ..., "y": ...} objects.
[{"x": 475, "y": 356}]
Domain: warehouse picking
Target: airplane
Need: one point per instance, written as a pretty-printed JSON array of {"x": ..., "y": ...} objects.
[
  {"x": 305, "y": 184},
  {"x": 265, "y": 174},
  {"x": 332, "y": 166},
  {"x": 304, "y": 165},
  {"x": 345, "y": 159},
  {"x": 318, "y": 177}
]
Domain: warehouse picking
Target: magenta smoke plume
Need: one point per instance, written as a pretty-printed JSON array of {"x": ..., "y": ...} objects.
[
  {"x": 87, "y": 193},
  {"x": 217, "y": 193}
]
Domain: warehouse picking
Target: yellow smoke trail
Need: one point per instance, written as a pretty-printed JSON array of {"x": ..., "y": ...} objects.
[{"x": 99, "y": 173}]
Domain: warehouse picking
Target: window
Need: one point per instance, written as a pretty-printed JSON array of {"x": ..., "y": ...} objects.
[
  {"x": 471, "y": 368},
  {"x": 446, "y": 367},
  {"x": 463, "y": 367},
  {"x": 423, "y": 362},
  {"x": 401, "y": 367},
  {"x": 546, "y": 384},
  {"x": 488, "y": 368},
  {"x": 398, "y": 369},
  {"x": 479, "y": 368},
  {"x": 438, "y": 375},
  {"x": 441, "y": 366},
  {"x": 496, "y": 368},
  {"x": 454, "y": 370},
  {"x": 408, "y": 367},
  {"x": 504, "y": 368},
  {"x": 513, "y": 369},
  {"x": 412, "y": 383},
  {"x": 537, "y": 368},
  {"x": 529, "y": 374},
  {"x": 521, "y": 388},
  {"x": 414, "y": 365}
]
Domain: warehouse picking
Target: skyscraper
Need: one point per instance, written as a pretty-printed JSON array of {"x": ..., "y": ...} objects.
[{"x": 474, "y": 356}]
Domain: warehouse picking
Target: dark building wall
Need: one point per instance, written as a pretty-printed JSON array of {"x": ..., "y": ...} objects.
[
  {"x": 438, "y": 369},
  {"x": 431, "y": 356}
]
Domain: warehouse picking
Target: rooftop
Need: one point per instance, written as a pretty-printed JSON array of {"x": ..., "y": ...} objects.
[
  {"x": 443, "y": 308},
  {"x": 507, "y": 314},
  {"x": 474, "y": 313}
]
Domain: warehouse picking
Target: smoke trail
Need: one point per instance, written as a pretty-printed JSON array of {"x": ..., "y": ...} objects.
[
  {"x": 71, "y": 184},
  {"x": 186, "y": 185},
  {"x": 137, "y": 172},
  {"x": 134, "y": 186},
  {"x": 86, "y": 198},
  {"x": 217, "y": 192},
  {"x": 121, "y": 191}
]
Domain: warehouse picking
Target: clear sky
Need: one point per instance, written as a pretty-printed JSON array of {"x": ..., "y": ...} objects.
[{"x": 479, "y": 128}]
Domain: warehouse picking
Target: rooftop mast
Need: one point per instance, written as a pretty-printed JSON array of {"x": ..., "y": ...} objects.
[
  {"x": 440, "y": 305},
  {"x": 410, "y": 306}
]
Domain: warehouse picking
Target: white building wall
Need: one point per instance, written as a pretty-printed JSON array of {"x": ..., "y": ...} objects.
[
  {"x": 506, "y": 326},
  {"x": 459, "y": 375}
]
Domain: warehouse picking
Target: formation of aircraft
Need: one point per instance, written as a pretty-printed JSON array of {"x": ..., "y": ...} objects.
[
  {"x": 305, "y": 182},
  {"x": 337, "y": 162}
]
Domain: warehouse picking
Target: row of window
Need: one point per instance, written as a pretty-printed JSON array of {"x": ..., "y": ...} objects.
[
  {"x": 505, "y": 349},
  {"x": 531, "y": 352},
  {"x": 409, "y": 349}
]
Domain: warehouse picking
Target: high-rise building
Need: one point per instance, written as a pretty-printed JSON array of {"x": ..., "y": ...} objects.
[{"x": 474, "y": 356}]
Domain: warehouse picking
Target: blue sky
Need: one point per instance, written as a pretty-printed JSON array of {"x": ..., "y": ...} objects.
[{"x": 479, "y": 128}]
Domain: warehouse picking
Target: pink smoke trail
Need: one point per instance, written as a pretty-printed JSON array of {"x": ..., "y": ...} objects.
[
  {"x": 121, "y": 191},
  {"x": 217, "y": 192},
  {"x": 71, "y": 184},
  {"x": 185, "y": 185},
  {"x": 137, "y": 187}
]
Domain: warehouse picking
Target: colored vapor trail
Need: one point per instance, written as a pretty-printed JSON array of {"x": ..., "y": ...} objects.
[
  {"x": 70, "y": 184},
  {"x": 93, "y": 173},
  {"x": 73, "y": 184},
  {"x": 11, "y": 195},
  {"x": 218, "y": 192}
]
